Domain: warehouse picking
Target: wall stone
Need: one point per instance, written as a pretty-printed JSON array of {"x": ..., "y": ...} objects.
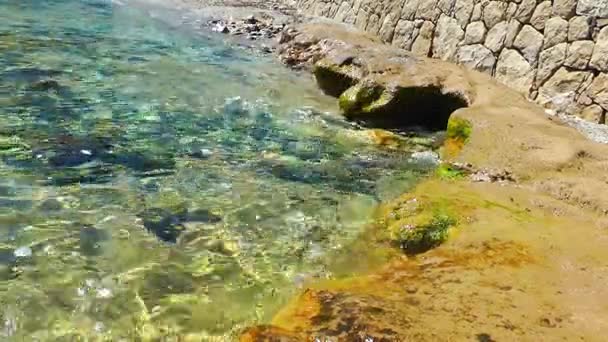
[{"x": 554, "y": 51}]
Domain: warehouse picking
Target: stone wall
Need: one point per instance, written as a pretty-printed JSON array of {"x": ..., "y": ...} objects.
[{"x": 555, "y": 51}]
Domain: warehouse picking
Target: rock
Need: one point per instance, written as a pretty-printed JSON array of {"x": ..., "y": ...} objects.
[
  {"x": 549, "y": 61},
  {"x": 513, "y": 70},
  {"x": 425, "y": 159},
  {"x": 476, "y": 57},
  {"x": 23, "y": 252},
  {"x": 541, "y": 14},
  {"x": 447, "y": 36},
  {"x": 564, "y": 8},
  {"x": 525, "y": 11},
  {"x": 511, "y": 10},
  {"x": 598, "y": 91},
  {"x": 447, "y": 6},
  {"x": 475, "y": 33},
  {"x": 556, "y": 31},
  {"x": 463, "y": 11},
  {"x": 251, "y": 19},
  {"x": 579, "y": 28},
  {"x": 599, "y": 58},
  {"x": 428, "y": 10},
  {"x": 579, "y": 54},
  {"x": 422, "y": 44},
  {"x": 593, "y": 113},
  {"x": 405, "y": 33},
  {"x": 408, "y": 12},
  {"x": 560, "y": 91},
  {"x": 45, "y": 85},
  {"x": 529, "y": 42},
  {"x": 494, "y": 12},
  {"x": 477, "y": 12},
  {"x": 593, "y": 8},
  {"x": 388, "y": 27},
  {"x": 495, "y": 39},
  {"x": 221, "y": 28},
  {"x": 512, "y": 31}
]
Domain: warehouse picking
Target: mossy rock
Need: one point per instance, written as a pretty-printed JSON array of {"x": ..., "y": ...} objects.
[
  {"x": 363, "y": 99},
  {"x": 458, "y": 132},
  {"x": 421, "y": 224}
]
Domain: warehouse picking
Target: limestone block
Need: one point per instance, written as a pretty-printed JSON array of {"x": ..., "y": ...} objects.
[
  {"x": 477, "y": 12},
  {"x": 599, "y": 59},
  {"x": 560, "y": 91},
  {"x": 598, "y": 91},
  {"x": 345, "y": 13},
  {"x": 475, "y": 33},
  {"x": 495, "y": 40},
  {"x": 525, "y": 10},
  {"x": 579, "y": 28},
  {"x": 428, "y": 10},
  {"x": 556, "y": 31},
  {"x": 593, "y": 113},
  {"x": 564, "y": 8},
  {"x": 463, "y": 11},
  {"x": 541, "y": 14},
  {"x": 409, "y": 9},
  {"x": 512, "y": 31},
  {"x": 387, "y": 29},
  {"x": 494, "y": 12},
  {"x": 422, "y": 43},
  {"x": 514, "y": 70},
  {"x": 362, "y": 18},
  {"x": 476, "y": 57},
  {"x": 447, "y": 6},
  {"x": 579, "y": 54},
  {"x": 373, "y": 25},
  {"x": 447, "y": 36},
  {"x": 529, "y": 42},
  {"x": 593, "y": 8},
  {"x": 511, "y": 10},
  {"x": 550, "y": 60},
  {"x": 405, "y": 34}
]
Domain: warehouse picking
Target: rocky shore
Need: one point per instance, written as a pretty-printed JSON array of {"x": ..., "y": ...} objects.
[{"x": 507, "y": 241}]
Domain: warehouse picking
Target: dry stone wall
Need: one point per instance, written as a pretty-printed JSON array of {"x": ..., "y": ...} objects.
[{"x": 555, "y": 51}]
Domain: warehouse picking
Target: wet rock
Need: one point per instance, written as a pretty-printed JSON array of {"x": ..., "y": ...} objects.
[
  {"x": 23, "y": 252},
  {"x": 45, "y": 85},
  {"x": 91, "y": 239}
]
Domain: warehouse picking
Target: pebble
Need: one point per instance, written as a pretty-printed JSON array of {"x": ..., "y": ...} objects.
[{"x": 23, "y": 252}]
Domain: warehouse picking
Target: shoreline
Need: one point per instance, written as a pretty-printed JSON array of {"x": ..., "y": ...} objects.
[{"x": 525, "y": 260}]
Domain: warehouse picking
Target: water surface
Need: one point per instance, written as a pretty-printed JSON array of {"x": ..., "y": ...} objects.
[{"x": 155, "y": 181}]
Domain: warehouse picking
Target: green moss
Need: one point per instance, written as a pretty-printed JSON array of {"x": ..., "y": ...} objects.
[
  {"x": 425, "y": 231},
  {"x": 447, "y": 171},
  {"x": 362, "y": 98},
  {"x": 459, "y": 129}
]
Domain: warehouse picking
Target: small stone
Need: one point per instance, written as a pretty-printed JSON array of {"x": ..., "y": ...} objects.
[
  {"x": 477, "y": 12},
  {"x": 221, "y": 28},
  {"x": 251, "y": 19},
  {"x": 556, "y": 31},
  {"x": 579, "y": 28},
  {"x": 541, "y": 14},
  {"x": 475, "y": 33},
  {"x": 463, "y": 11},
  {"x": 559, "y": 92},
  {"x": 512, "y": 31},
  {"x": 529, "y": 42},
  {"x": 579, "y": 54},
  {"x": 23, "y": 252}
]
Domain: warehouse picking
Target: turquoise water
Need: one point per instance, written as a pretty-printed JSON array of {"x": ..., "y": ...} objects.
[{"x": 156, "y": 182}]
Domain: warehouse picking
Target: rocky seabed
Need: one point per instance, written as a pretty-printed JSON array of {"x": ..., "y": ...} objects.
[{"x": 554, "y": 51}]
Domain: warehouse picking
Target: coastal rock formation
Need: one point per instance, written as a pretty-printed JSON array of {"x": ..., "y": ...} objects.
[{"x": 491, "y": 36}]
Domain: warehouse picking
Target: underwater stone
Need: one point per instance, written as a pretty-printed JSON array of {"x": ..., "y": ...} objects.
[{"x": 23, "y": 252}]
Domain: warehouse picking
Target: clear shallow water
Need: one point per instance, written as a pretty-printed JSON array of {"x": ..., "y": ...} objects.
[{"x": 156, "y": 182}]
